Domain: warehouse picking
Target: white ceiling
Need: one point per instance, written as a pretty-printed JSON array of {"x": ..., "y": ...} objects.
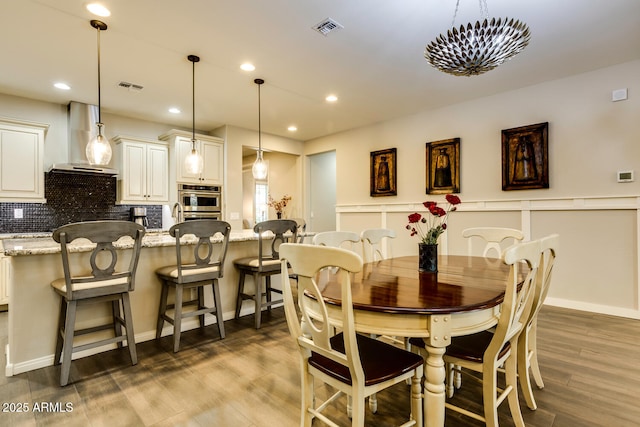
[{"x": 375, "y": 64}]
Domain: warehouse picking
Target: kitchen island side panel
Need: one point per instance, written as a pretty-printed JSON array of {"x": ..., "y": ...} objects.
[{"x": 34, "y": 306}]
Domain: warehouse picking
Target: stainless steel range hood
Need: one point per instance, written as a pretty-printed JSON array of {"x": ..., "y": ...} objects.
[{"x": 82, "y": 119}]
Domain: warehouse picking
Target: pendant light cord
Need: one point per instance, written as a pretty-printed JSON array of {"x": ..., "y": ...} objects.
[
  {"x": 193, "y": 103},
  {"x": 259, "y": 123},
  {"x": 99, "y": 90}
]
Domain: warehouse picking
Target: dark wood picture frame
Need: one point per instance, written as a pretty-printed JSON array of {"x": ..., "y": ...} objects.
[
  {"x": 443, "y": 166},
  {"x": 525, "y": 157},
  {"x": 383, "y": 173}
]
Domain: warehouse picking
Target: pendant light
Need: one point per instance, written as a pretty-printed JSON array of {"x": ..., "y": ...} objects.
[
  {"x": 259, "y": 168},
  {"x": 193, "y": 162},
  {"x": 98, "y": 149}
]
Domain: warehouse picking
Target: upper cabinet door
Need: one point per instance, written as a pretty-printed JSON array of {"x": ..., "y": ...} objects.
[
  {"x": 210, "y": 148},
  {"x": 22, "y": 161},
  {"x": 212, "y": 154},
  {"x": 144, "y": 170}
]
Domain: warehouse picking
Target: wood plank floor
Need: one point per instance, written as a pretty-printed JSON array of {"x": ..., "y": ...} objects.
[{"x": 590, "y": 364}]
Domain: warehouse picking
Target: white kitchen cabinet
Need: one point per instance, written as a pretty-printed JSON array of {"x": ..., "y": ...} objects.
[
  {"x": 143, "y": 170},
  {"x": 21, "y": 161},
  {"x": 210, "y": 148}
]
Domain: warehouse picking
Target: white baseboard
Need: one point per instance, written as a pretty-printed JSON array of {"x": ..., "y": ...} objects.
[{"x": 593, "y": 308}]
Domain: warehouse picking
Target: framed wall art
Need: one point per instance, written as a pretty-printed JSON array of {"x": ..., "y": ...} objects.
[
  {"x": 383, "y": 173},
  {"x": 525, "y": 157},
  {"x": 443, "y": 166}
]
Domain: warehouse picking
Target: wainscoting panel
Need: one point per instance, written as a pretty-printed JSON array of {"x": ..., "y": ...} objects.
[{"x": 599, "y": 257}]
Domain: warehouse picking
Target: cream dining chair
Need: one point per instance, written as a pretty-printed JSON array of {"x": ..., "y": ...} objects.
[
  {"x": 527, "y": 344},
  {"x": 336, "y": 239},
  {"x": 491, "y": 237},
  {"x": 351, "y": 363},
  {"x": 487, "y": 351},
  {"x": 375, "y": 243}
]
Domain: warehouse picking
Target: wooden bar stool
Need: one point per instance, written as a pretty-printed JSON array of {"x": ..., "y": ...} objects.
[
  {"x": 264, "y": 265},
  {"x": 98, "y": 282},
  {"x": 201, "y": 269}
]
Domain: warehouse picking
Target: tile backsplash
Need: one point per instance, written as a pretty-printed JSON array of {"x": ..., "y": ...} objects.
[{"x": 71, "y": 197}]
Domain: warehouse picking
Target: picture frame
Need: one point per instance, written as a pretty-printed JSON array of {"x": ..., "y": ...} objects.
[
  {"x": 383, "y": 180},
  {"x": 525, "y": 157},
  {"x": 443, "y": 166}
]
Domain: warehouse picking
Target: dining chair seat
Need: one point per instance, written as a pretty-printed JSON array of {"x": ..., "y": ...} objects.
[
  {"x": 468, "y": 347},
  {"x": 190, "y": 271},
  {"x": 380, "y": 361}
]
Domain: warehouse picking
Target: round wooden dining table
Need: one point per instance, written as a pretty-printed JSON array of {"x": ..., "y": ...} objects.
[{"x": 391, "y": 297}]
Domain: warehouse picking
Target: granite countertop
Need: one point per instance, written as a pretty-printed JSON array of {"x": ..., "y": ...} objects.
[{"x": 43, "y": 243}]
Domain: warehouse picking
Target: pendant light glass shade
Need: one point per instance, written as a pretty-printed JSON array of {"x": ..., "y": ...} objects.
[
  {"x": 193, "y": 163},
  {"x": 98, "y": 149},
  {"x": 259, "y": 168}
]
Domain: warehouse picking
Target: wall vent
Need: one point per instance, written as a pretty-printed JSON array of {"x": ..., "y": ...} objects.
[
  {"x": 132, "y": 87},
  {"x": 326, "y": 26}
]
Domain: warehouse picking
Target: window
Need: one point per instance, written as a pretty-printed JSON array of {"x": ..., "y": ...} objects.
[{"x": 261, "y": 200}]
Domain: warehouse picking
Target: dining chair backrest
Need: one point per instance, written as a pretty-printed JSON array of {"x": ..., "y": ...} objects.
[
  {"x": 524, "y": 259},
  {"x": 336, "y": 239},
  {"x": 375, "y": 243},
  {"x": 548, "y": 250},
  {"x": 203, "y": 258},
  {"x": 105, "y": 270},
  {"x": 492, "y": 238},
  {"x": 302, "y": 227},
  {"x": 307, "y": 262},
  {"x": 279, "y": 231}
]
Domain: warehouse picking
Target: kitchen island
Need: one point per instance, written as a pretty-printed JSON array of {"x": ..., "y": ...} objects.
[{"x": 34, "y": 306}]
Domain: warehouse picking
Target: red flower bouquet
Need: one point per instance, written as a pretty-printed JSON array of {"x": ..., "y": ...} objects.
[{"x": 431, "y": 226}]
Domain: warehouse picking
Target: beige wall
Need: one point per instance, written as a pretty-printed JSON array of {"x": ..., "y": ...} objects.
[{"x": 590, "y": 138}]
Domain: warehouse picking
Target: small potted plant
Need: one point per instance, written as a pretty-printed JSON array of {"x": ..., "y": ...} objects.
[{"x": 279, "y": 205}]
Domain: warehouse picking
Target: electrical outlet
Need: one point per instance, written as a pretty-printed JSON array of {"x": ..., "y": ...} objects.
[{"x": 18, "y": 213}]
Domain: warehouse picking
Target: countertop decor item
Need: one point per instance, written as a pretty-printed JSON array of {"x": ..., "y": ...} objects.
[
  {"x": 477, "y": 48},
  {"x": 193, "y": 162},
  {"x": 98, "y": 149},
  {"x": 259, "y": 169},
  {"x": 279, "y": 205},
  {"x": 429, "y": 228}
]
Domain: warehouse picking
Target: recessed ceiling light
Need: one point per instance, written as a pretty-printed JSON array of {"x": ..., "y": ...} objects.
[
  {"x": 331, "y": 98},
  {"x": 247, "y": 67},
  {"x": 98, "y": 9},
  {"x": 174, "y": 110},
  {"x": 292, "y": 128},
  {"x": 62, "y": 86}
]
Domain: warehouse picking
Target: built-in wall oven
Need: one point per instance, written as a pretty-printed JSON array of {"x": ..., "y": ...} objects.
[{"x": 200, "y": 201}]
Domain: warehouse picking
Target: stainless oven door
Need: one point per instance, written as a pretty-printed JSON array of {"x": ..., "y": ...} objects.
[
  {"x": 200, "y": 201},
  {"x": 189, "y": 216}
]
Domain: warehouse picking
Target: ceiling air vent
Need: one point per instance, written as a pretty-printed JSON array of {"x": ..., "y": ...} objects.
[
  {"x": 132, "y": 87},
  {"x": 326, "y": 26}
]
